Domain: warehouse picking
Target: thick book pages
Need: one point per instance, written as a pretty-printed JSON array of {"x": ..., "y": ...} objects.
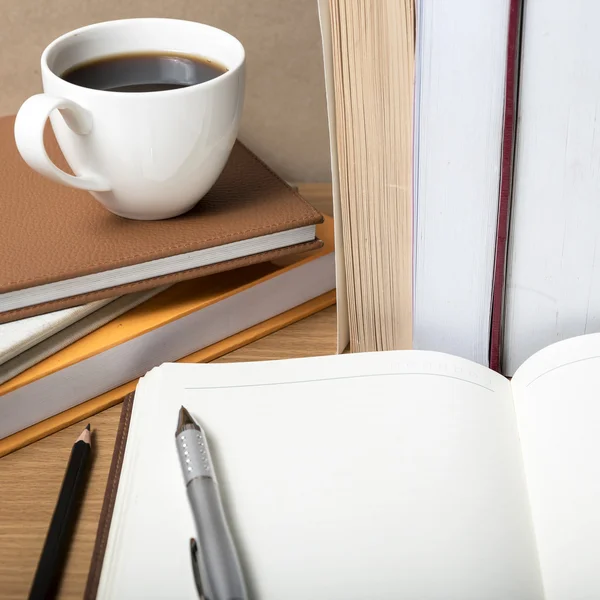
[
  {"x": 75, "y": 251},
  {"x": 369, "y": 55},
  {"x": 407, "y": 474},
  {"x": 461, "y": 62},
  {"x": 185, "y": 318},
  {"x": 553, "y": 278},
  {"x": 343, "y": 333}
]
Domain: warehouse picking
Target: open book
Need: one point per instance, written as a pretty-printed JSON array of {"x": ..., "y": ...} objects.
[{"x": 403, "y": 474}]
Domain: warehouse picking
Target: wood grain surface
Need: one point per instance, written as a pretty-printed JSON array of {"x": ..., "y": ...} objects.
[{"x": 30, "y": 478}]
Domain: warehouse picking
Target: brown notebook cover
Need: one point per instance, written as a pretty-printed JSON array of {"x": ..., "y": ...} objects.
[
  {"x": 110, "y": 495},
  {"x": 52, "y": 233}
]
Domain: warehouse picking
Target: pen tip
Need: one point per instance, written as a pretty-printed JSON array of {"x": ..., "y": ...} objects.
[
  {"x": 186, "y": 421},
  {"x": 88, "y": 427}
]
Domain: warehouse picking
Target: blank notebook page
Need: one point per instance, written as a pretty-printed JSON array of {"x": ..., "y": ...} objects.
[
  {"x": 556, "y": 397},
  {"x": 344, "y": 477}
]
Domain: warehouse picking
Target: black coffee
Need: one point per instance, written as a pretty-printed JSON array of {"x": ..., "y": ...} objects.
[{"x": 143, "y": 72}]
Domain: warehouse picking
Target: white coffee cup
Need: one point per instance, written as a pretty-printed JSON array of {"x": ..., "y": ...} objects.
[{"x": 148, "y": 155}]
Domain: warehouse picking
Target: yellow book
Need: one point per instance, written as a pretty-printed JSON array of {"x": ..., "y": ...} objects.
[{"x": 193, "y": 321}]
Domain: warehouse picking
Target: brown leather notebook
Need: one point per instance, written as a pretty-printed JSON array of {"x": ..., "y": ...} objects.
[{"x": 59, "y": 247}]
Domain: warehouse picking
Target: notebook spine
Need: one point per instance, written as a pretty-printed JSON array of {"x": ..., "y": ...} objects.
[
  {"x": 506, "y": 180},
  {"x": 110, "y": 496}
]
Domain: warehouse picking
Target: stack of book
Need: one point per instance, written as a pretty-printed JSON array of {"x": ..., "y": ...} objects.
[
  {"x": 90, "y": 301},
  {"x": 466, "y": 171}
]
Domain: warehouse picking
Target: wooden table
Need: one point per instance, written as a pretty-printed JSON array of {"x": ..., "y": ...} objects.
[{"x": 30, "y": 478}]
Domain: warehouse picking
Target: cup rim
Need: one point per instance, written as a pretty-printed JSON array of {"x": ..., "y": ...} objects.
[{"x": 118, "y": 22}]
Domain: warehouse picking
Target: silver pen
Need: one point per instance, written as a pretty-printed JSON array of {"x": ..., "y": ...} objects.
[{"x": 215, "y": 561}]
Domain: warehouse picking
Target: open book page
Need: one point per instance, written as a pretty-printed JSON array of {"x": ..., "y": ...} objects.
[
  {"x": 366, "y": 476},
  {"x": 557, "y": 400}
]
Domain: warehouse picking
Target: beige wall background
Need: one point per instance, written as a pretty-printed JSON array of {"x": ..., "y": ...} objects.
[{"x": 285, "y": 119}]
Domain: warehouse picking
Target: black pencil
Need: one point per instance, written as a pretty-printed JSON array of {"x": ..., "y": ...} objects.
[{"x": 47, "y": 575}]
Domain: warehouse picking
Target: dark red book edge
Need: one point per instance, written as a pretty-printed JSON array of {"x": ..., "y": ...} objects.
[{"x": 506, "y": 180}]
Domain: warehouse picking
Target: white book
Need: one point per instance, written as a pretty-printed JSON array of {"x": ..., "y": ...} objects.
[
  {"x": 18, "y": 336},
  {"x": 380, "y": 476},
  {"x": 461, "y": 58},
  {"x": 553, "y": 276},
  {"x": 27, "y": 342}
]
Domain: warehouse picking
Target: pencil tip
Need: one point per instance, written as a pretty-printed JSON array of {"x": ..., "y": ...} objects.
[
  {"x": 88, "y": 427},
  {"x": 85, "y": 436}
]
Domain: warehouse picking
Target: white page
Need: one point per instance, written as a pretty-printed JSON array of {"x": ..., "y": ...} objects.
[
  {"x": 557, "y": 399},
  {"x": 347, "y": 477}
]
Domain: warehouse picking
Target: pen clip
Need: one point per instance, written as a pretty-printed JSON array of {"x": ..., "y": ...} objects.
[{"x": 196, "y": 568}]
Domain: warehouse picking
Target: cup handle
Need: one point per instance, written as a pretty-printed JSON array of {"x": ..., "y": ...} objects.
[{"x": 29, "y": 136}]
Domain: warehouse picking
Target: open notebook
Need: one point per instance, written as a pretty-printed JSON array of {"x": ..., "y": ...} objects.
[{"x": 405, "y": 474}]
